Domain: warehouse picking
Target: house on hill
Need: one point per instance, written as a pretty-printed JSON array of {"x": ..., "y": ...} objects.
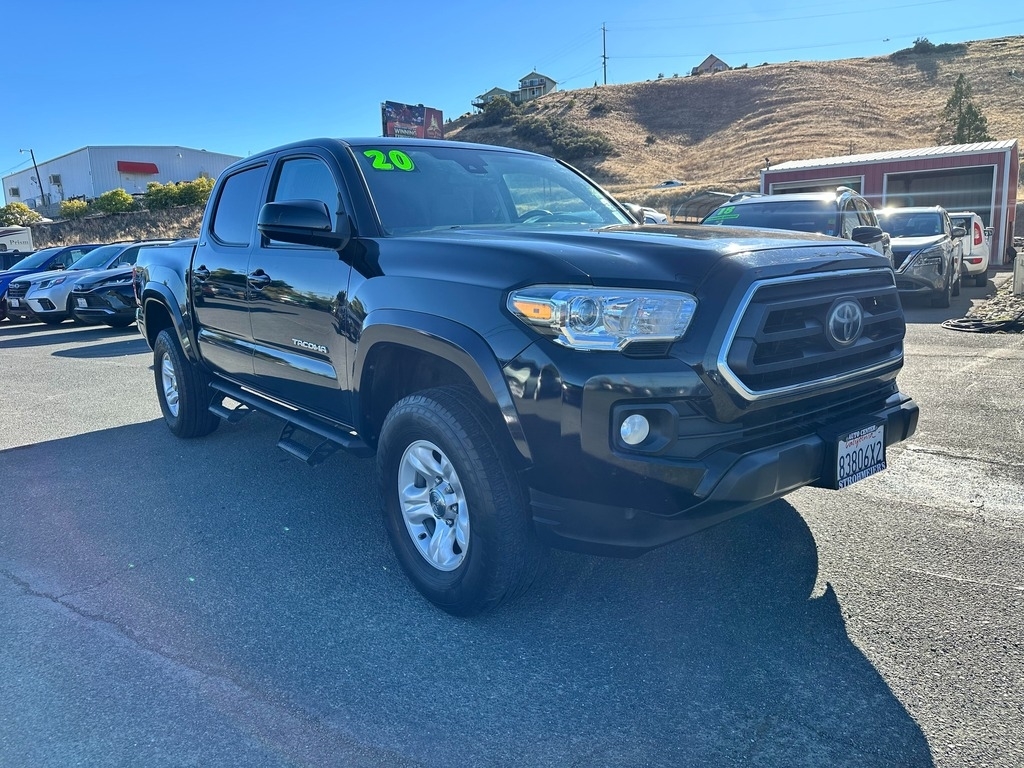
[
  {"x": 484, "y": 99},
  {"x": 530, "y": 87},
  {"x": 711, "y": 64}
]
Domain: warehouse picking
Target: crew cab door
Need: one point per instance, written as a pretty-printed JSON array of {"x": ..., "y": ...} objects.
[
  {"x": 218, "y": 274},
  {"x": 295, "y": 295}
]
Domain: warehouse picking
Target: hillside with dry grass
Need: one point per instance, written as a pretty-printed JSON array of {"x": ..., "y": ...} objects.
[{"x": 715, "y": 131}]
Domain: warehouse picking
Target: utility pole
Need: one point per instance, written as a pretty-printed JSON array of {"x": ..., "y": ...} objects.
[
  {"x": 604, "y": 51},
  {"x": 39, "y": 179}
]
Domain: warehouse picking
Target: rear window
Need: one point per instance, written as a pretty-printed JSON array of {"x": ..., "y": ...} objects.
[{"x": 819, "y": 216}]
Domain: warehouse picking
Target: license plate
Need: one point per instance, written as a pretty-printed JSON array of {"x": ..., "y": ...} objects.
[
  {"x": 14, "y": 302},
  {"x": 81, "y": 302},
  {"x": 860, "y": 454}
]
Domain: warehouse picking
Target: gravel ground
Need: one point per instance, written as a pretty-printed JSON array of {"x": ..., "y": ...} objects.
[{"x": 1002, "y": 312}]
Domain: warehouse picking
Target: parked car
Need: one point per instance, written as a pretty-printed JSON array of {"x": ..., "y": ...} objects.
[
  {"x": 926, "y": 250},
  {"x": 975, "y": 245},
  {"x": 653, "y": 216},
  {"x": 842, "y": 213},
  {"x": 106, "y": 297},
  {"x": 47, "y": 295},
  {"x": 56, "y": 258},
  {"x": 9, "y": 258}
]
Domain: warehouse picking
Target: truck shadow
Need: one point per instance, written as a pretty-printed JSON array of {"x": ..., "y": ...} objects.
[{"x": 712, "y": 651}]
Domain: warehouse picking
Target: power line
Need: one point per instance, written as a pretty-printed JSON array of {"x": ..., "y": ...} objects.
[{"x": 823, "y": 45}]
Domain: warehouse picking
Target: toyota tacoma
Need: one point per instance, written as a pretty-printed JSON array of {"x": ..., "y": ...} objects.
[{"x": 529, "y": 364}]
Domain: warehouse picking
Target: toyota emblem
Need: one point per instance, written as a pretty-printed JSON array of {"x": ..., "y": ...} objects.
[{"x": 845, "y": 323}]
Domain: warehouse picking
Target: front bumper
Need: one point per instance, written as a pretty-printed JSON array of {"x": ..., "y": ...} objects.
[
  {"x": 918, "y": 280},
  {"x": 719, "y": 485}
]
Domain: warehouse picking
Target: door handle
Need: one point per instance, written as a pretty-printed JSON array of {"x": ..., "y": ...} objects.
[
  {"x": 201, "y": 273},
  {"x": 259, "y": 279}
]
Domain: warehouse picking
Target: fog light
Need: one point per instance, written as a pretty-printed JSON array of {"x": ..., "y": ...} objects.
[{"x": 634, "y": 429}]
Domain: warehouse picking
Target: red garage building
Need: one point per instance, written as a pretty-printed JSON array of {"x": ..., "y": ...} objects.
[{"x": 961, "y": 177}]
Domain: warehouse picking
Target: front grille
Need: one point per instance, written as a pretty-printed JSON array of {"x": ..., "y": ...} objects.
[
  {"x": 781, "y": 345},
  {"x": 17, "y": 290}
]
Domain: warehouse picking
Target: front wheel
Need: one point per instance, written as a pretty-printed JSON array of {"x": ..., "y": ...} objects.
[
  {"x": 942, "y": 300},
  {"x": 182, "y": 388},
  {"x": 454, "y": 507}
]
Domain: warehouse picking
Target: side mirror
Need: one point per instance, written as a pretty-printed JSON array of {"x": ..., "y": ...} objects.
[
  {"x": 959, "y": 232},
  {"x": 635, "y": 211},
  {"x": 303, "y": 222},
  {"x": 867, "y": 235}
]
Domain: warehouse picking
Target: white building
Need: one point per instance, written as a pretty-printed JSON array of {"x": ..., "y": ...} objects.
[{"x": 89, "y": 172}]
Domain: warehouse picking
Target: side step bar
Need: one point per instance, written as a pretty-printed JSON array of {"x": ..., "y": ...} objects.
[{"x": 331, "y": 437}]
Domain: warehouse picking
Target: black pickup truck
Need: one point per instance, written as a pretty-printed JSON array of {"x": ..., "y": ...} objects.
[{"x": 529, "y": 365}]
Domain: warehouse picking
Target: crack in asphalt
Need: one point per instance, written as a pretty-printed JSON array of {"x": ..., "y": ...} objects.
[
  {"x": 282, "y": 726},
  {"x": 962, "y": 579},
  {"x": 961, "y": 457}
]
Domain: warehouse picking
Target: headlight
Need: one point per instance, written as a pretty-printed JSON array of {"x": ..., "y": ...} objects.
[
  {"x": 603, "y": 318},
  {"x": 930, "y": 257},
  {"x": 52, "y": 282}
]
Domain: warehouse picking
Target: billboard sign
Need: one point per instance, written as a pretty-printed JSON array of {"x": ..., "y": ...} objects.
[{"x": 411, "y": 121}]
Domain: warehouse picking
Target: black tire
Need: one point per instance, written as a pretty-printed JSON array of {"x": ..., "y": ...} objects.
[
  {"x": 981, "y": 280},
  {"x": 53, "y": 319},
  {"x": 501, "y": 556},
  {"x": 956, "y": 285},
  {"x": 189, "y": 414},
  {"x": 119, "y": 322},
  {"x": 942, "y": 300}
]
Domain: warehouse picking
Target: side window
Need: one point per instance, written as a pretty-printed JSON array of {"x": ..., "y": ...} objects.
[
  {"x": 68, "y": 258},
  {"x": 308, "y": 178},
  {"x": 850, "y": 220},
  {"x": 866, "y": 214},
  {"x": 128, "y": 257},
  {"x": 234, "y": 218}
]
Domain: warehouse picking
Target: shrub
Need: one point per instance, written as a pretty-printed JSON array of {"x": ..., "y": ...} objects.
[
  {"x": 17, "y": 215},
  {"x": 114, "y": 201},
  {"x": 162, "y": 196},
  {"x": 498, "y": 110},
  {"x": 73, "y": 209}
]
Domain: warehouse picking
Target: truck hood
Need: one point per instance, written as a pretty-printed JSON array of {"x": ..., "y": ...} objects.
[{"x": 650, "y": 255}]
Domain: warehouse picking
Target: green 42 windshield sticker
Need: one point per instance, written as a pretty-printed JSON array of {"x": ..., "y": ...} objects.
[{"x": 394, "y": 160}]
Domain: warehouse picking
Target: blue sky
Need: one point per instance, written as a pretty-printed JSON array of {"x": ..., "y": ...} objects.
[{"x": 240, "y": 77}]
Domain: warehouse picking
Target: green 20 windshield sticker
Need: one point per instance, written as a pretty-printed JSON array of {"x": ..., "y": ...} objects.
[{"x": 395, "y": 159}]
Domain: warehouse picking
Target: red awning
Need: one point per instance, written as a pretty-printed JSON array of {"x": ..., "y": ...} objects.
[{"x": 128, "y": 166}]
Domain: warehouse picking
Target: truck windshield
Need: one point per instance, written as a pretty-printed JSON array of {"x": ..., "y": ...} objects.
[
  {"x": 419, "y": 187},
  {"x": 911, "y": 224},
  {"x": 819, "y": 216},
  {"x": 37, "y": 259}
]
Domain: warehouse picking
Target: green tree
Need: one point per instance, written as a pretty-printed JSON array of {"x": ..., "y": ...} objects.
[
  {"x": 962, "y": 121},
  {"x": 18, "y": 215},
  {"x": 498, "y": 110},
  {"x": 114, "y": 201}
]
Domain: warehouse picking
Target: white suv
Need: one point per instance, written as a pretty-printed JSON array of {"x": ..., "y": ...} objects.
[{"x": 977, "y": 250}]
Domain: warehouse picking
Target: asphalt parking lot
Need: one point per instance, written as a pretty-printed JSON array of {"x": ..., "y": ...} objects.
[{"x": 216, "y": 602}]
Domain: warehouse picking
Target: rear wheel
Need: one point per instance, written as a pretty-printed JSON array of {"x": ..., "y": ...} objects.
[
  {"x": 182, "y": 388},
  {"x": 454, "y": 507},
  {"x": 981, "y": 280}
]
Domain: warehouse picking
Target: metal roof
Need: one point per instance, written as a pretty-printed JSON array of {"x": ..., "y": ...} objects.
[{"x": 897, "y": 154}]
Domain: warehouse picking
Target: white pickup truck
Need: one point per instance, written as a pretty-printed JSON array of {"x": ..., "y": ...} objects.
[{"x": 977, "y": 250}]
